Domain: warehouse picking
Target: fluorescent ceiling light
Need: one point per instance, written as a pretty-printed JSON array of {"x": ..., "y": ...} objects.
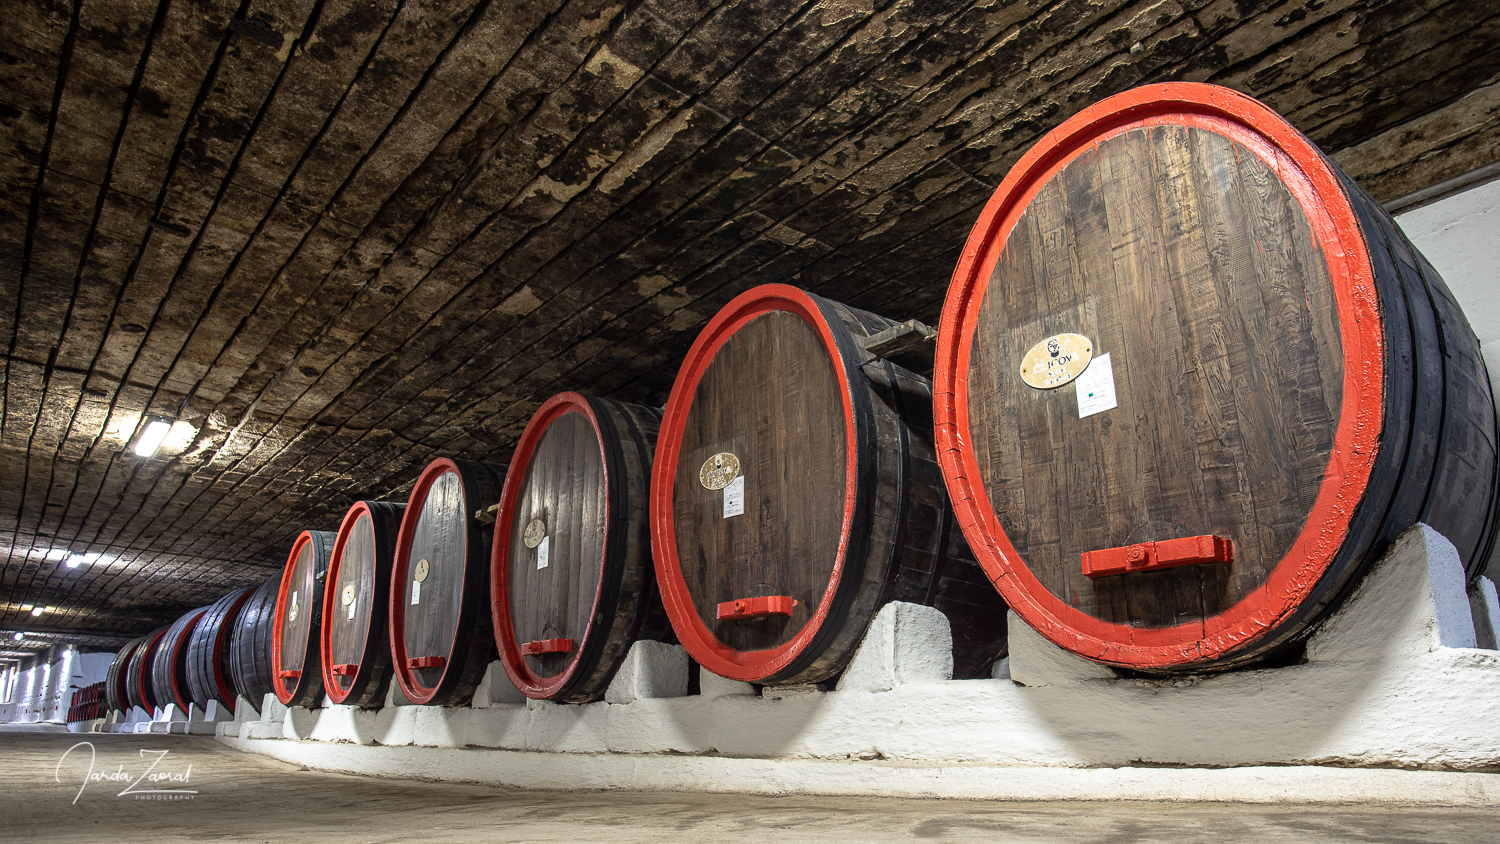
[
  {"x": 19, "y": 636},
  {"x": 38, "y": 610},
  {"x": 151, "y": 439},
  {"x": 78, "y": 558}
]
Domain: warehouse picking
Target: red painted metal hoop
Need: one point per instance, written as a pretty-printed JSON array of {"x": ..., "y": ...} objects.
[
  {"x": 527, "y": 681},
  {"x": 330, "y": 599},
  {"x": 396, "y": 617},
  {"x": 180, "y": 696},
  {"x": 227, "y": 691},
  {"x": 278, "y": 683},
  {"x": 1313, "y": 183},
  {"x": 147, "y": 651},
  {"x": 694, "y": 635}
]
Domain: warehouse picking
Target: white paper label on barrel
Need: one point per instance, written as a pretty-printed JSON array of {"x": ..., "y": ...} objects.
[
  {"x": 351, "y": 609},
  {"x": 1096, "y": 387},
  {"x": 734, "y": 497},
  {"x": 416, "y": 592},
  {"x": 541, "y": 552}
]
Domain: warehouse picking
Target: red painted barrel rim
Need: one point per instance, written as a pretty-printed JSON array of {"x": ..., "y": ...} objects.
[
  {"x": 180, "y": 698},
  {"x": 147, "y": 653},
  {"x": 222, "y": 639},
  {"x": 330, "y": 605},
  {"x": 1338, "y": 234},
  {"x": 694, "y": 635},
  {"x": 529, "y": 682},
  {"x": 397, "y": 616},
  {"x": 122, "y": 673},
  {"x": 278, "y": 683}
]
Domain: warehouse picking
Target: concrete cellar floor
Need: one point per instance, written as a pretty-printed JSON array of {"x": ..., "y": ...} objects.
[{"x": 249, "y": 797}]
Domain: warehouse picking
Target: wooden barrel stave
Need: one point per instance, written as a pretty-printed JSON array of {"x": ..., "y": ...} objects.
[
  {"x": 169, "y": 668},
  {"x": 354, "y": 631},
  {"x": 208, "y": 676},
  {"x": 1422, "y": 343},
  {"x": 142, "y": 689},
  {"x": 441, "y": 649},
  {"x": 869, "y": 469},
  {"x": 116, "y": 689},
  {"x": 580, "y": 458},
  {"x": 250, "y": 666},
  {"x": 298, "y": 620}
]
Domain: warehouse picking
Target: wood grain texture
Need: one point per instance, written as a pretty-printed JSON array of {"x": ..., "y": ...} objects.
[
  {"x": 1222, "y": 261},
  {"x": 583, "y": 471},
  {"x": 208, "y": 675},
  {"x": 449, "y": 619},
  {"x": 250, "y": 647},
  {"x": 841, "y": 527},
  {"x": 169, "y": 668},
  {"x": 355, "y": 632},
  {"x": 1187, "y": 260},
  {"x": 298, "y": 620}
]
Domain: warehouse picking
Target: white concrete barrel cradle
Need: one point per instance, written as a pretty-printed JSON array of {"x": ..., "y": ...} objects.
[
  {"x": 441, "y": 634},
  {"x": 355, "y": 642},
  {"x": 297, "y": 621}
]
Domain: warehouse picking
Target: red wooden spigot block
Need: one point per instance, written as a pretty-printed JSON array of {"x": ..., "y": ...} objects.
[
  {"x": 289, "y": 674},
  {"x": 756, "y": 607},
  {"x": 547, "y": 646},
  {"x": 345, "y": 670},
  {"x": 1154, "y": 556},
  {"x": 417, "y": 662}
]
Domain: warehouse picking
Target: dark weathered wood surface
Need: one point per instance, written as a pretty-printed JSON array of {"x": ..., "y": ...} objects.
[
  {"x": 841, "y": 524},
  {"x": 588, "y": 489},
  {"x": 450, "y": 619},
  {"x": 1184, "y": 257},
  {"x": 1192, "y": 261},
  {"x": 250, "y": 645},
  {"x": 393, "y": 236},
  {"x": 169, "y": 668},
  {"x": 771, "y": 398},
  {"x": 357, "y": 630},
  {"x": 208, "y": 674}
]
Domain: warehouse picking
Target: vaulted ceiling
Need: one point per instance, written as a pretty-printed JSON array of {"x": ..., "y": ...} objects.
[{"x": 333, "y": 239}]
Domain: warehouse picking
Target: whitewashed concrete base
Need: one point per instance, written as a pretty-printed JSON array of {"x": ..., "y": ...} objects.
[{"x": 1393, "y": 680}]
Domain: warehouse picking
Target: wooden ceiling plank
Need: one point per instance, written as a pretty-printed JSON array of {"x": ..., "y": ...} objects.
[
  {"x": 1440, "y": 145},
  {"x": 34, "y": 36}
]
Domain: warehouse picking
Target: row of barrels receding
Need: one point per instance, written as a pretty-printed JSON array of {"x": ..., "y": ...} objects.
[
  {"x": 88, "y": 703},
  {"x": 1190, "y": 380}
]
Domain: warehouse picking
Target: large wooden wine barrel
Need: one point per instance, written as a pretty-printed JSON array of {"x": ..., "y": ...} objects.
[
  {"x": 795, "y": 491},
  {"x": 138, "y": 672},
  {"x": 169, "y": 668},
  {"x": 297, "y": 675},
  {"x": 355, "y": 647},
  {"x": 208, "y": 676},
  {"x": 1277, "y": 384},
  {"x": 250, "y": 643},
  {"x": 572, "y": 584},
  {"x": 116, "y": 686},
  {"x": 442, "y": 638}
]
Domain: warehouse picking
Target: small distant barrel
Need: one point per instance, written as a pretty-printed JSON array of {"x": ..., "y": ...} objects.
[
  {"x": 355, "y": 645},
  {"x": 297, "y": 621},
  {"x": 208, "y": 675},
  {"x": 169, "y": 667},
  {"x": 1192, "y": 381},
  {"x": 795, "y": 491},
  {"x": 250, "y": 643},
  {"x": 442, "y": 638},
  {"x": 572, "y": 584},
  {"x": 116, "y": 686},
  {"x": 138, "y": 672}
]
